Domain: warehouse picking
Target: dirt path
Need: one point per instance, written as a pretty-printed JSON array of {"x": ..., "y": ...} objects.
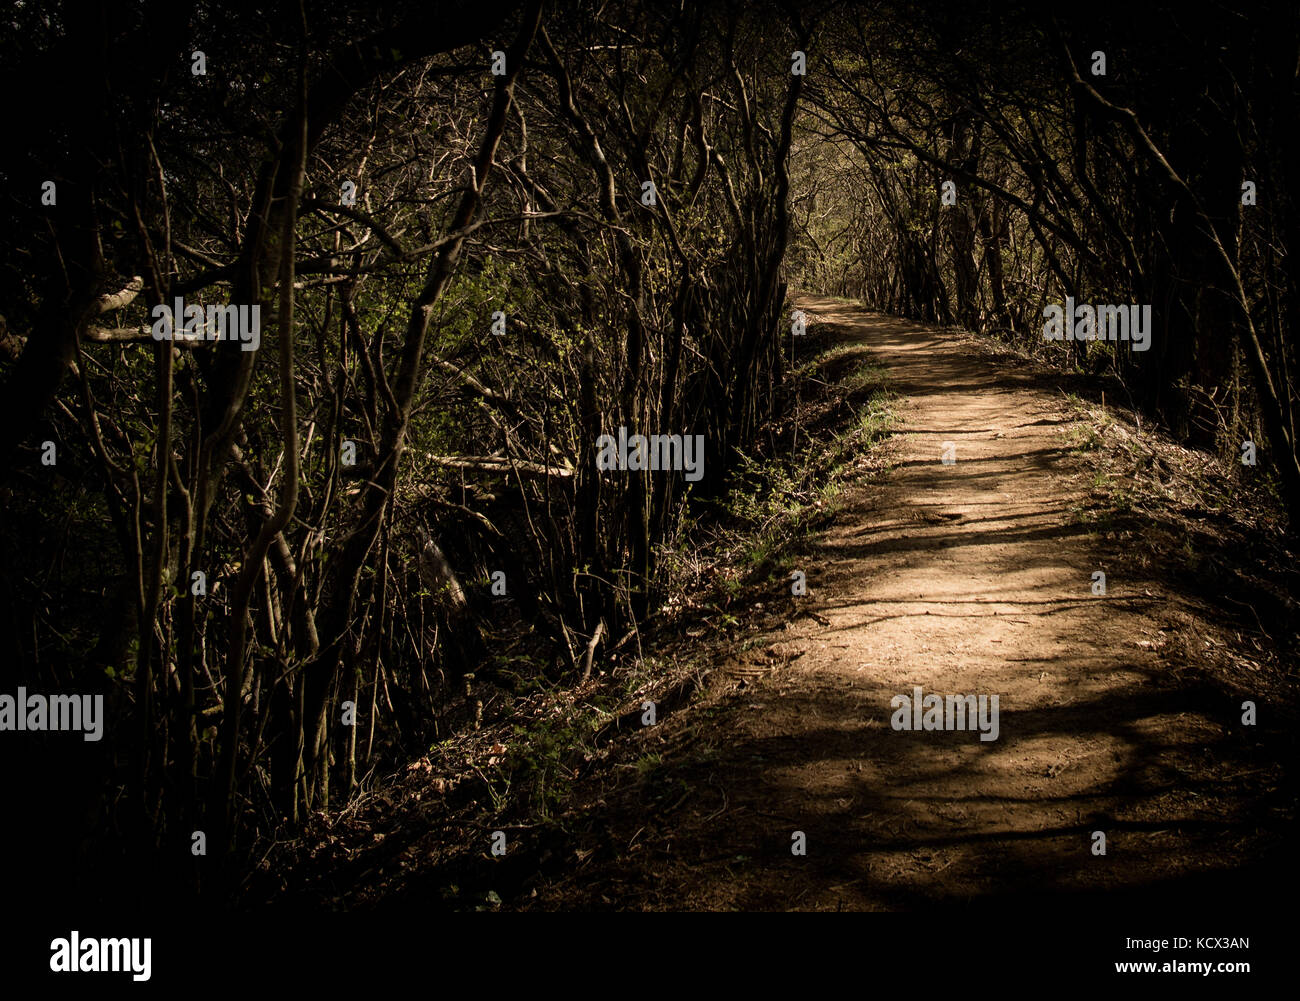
[{"x": 967, "y": 579}]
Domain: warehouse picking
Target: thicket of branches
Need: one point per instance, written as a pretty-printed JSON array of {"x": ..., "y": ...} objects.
[
  {"x": 232, "y": 545},
  {"x": 346, "y": 490},
  {"x": 1118, "y": 187}
]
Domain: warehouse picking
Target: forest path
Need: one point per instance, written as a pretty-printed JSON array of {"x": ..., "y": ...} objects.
[{"x": 967, "y": 579}]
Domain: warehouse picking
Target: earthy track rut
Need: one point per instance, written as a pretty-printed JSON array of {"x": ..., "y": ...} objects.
[{"x": 973, "y": 578}]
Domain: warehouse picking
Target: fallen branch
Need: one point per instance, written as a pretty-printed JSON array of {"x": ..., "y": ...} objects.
[{"x": 492, "y": 464}]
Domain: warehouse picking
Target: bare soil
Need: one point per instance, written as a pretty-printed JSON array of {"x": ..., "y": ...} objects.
[{"x": 969, "y": 578}]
